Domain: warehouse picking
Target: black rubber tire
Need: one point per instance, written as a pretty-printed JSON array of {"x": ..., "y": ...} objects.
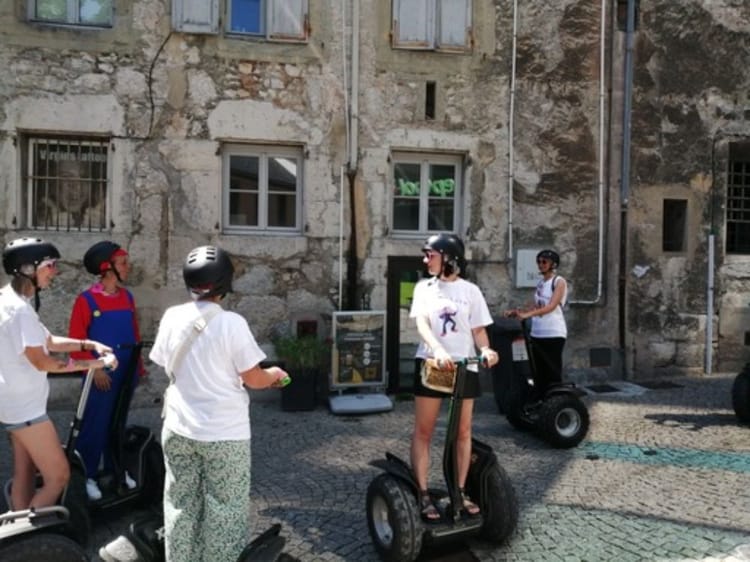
[
  {"x": 76, "y": 501},
  {"x": 741, "y": 396},
  {"x": 563, "y": 420},
  {"x": 499, "y": 506},
  {"x": 42, "y": 547},
  {"x": 393, "y": 519},
  {"x": 152, "y": 494}
]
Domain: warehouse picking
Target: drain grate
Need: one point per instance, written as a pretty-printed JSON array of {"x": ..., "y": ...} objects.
[
  {"x": 603, "y": 388},
  {"x": 658, "y": 385}
]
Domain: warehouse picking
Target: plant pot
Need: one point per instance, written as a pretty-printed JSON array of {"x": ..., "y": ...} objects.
[{"x": 299, "y": 395}]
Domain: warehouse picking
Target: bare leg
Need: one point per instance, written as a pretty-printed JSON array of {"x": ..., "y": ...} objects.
[
  {"x": 42, "y": 446},
  {"x": 23, "y": 476},
  {"x": 463, "y": 449},
  {"x": 426, "y": 411}
]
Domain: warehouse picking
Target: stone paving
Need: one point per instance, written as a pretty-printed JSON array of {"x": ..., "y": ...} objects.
[{"x": 663, "y": 475}]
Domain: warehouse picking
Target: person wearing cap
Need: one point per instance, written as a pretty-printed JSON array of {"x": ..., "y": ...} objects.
[
  {"x": 451, "y": 316},
  {"x": 105, "y": 312},
  {"x": 548, "y": 328},
  {"x": 209, "y": 354},
  {"x": 26, "y": 348}
]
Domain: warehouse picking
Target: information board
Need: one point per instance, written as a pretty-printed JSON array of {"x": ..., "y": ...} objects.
[{"x": 358, "y": 349}]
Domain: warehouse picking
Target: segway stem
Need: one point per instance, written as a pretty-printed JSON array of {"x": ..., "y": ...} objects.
[{"x": 75, "y": 424}]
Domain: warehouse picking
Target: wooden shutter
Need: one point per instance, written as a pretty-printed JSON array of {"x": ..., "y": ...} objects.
[
  {"x": 195, "y": 16},
  {"x": 414, "y": 24},
  {"x": 288, "y": 19},
  {"x": 454, "y": 25}
]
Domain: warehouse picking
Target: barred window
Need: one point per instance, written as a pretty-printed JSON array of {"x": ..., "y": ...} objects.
[
  {"x": 738, "y": 199},
  {"x": 66, "y": 184}
]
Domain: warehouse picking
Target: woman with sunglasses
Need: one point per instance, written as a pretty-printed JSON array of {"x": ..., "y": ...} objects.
[
  {"x": 25, "y": 346},
  {"x": 451, "y": 316},
  {"x": 548, "y": 328}
]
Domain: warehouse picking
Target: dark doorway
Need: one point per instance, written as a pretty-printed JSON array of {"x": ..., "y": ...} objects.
[{"x": 401, "y": 332}]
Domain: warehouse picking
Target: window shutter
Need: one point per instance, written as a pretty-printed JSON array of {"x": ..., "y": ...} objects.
[
  {"x": 288, "y": 19},
  {"x": 454, "y": 28},
  {"x": 195, "y": 16},
  {"x": 414, "y": 23}
]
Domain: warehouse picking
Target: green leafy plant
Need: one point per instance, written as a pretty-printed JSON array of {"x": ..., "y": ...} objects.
[{"x": 304, "y": 352}]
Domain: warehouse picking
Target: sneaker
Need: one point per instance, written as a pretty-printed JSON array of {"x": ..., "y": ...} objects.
[
  {"x": 129, "y": 482},
  {"x": 120, "y": 550},
  {"x": 92, "y": 489}
]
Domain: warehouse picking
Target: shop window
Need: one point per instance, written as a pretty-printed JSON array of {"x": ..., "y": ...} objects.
[
  {"x": 65, "y": 184},
  {"x": 426, "y": 192},
  {"x": 283, "y": 20},
  {"x": 432, "y": 24},
  {"x": 738, "y": 199},
  {"x": 262, "y": 188},
  {"x": 674, "y": 225},
  {"x": 72, "y": 12}
]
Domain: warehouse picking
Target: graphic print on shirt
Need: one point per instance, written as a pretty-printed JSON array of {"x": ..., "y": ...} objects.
[{"x": 446, "y": 315}]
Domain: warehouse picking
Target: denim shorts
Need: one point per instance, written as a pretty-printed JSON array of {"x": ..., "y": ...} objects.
[{"x": 21, "y": 425}]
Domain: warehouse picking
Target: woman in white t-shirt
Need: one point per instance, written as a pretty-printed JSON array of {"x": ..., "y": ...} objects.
[
  {"x": 206, "y": 433},
  {"x": 548, "y": 328},
  {"x": 451, "y": 316},
  {"x": 25, "y": 346}
]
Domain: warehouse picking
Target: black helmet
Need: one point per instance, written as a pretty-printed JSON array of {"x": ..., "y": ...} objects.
[
  {"x": 550, "y": 255},
  {"x": 451, "y": 248},
  {"x": 208, "y": 271},
  {"x": 98, "y": 255},
  {"x": 27, "y": 251}
]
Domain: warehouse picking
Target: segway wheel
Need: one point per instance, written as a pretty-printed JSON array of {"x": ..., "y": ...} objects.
[
  {"x": 42, "y": 547},
  {"x": 76, "y": 501},
  {"x": 393, "y": 519},
  {"x": 741, "y": 396},
  {"x": 563, "y": 420},
  {"x": 499, "y": 507}
]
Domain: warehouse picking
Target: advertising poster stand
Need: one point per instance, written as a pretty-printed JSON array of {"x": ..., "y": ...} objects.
[{"x": 358, "y": 376}]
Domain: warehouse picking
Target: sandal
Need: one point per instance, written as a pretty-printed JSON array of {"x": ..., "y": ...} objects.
[
  {"x": 469, "y": 506},
  {"x": 429, "y": 511}
]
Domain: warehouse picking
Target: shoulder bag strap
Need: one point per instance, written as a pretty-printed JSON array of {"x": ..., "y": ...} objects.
[{"x": 198, "y": 326}]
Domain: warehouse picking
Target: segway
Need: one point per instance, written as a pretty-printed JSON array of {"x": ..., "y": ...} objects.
[
  {"x": 394, "y": 519},
  {"x": 741, "y": 395},
  {"x": 39, "y": 535},
  {"x": 560, "y": 417}
]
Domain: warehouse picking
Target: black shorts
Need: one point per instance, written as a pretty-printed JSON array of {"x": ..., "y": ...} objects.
[{"x": 472, "y": 389}]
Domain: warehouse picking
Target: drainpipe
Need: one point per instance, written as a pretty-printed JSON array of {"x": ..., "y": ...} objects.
[
  {"x": 710, "y": 304},
  {"x": 625, "y": 174},
  {"x": 353, "y": 262},
  {"x": 511, "y": 112},
  {"x": 602, "y": 96}
]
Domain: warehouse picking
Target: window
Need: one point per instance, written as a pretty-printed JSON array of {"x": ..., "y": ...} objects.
[
  {"x": 432, "y": 24},
  {"x": 282, "y": 20},
  {"x": 262, "y": 188},
  {"x": 738, "y": 199},
  {"x": 674, "y": 225},
  {"x": 65, "y": 184},
  {"x": 75, "y": 12},
  {"x": 425, "y": 193}
]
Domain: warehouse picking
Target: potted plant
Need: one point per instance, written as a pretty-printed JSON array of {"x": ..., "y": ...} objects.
[{"x": 303, "y": 357}]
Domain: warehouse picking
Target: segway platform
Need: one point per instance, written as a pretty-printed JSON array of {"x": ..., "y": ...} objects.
[{"x": 354, "y": 404}]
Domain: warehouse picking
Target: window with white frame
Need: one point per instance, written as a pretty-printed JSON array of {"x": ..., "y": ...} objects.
[
  {"x": 432, "y": 24},
  {"x": 72, "y": 12},
  {"x": 65, "y": 183},
  {"x": 281, "y": 20},
  {"x": 426, "y": 193},
  {"x": 262, "y": 188}
]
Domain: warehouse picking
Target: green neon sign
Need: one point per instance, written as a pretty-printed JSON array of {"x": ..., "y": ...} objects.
[{"x": 438, "y": 188}]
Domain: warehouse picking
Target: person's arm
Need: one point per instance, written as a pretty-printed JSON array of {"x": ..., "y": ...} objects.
[
  {"x": 78, "y": 328},
  {"x": 553, "y": 303},
  {"x": 428, "y": 337},
  {"x": 482, "y": 341},
  {"x": 72, "y": 345},
  {"x": 45, "y": 362},
  {"x": 258, "y": 377}
]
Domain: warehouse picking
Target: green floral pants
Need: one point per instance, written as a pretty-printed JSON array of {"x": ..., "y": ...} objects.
[{"x": 206, "y": 498}]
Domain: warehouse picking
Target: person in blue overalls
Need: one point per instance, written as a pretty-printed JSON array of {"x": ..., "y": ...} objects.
[{"x": 105, "y": 312}]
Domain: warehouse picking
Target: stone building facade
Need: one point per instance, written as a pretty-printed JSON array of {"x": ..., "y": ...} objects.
[{"x": 321, "y": 142}]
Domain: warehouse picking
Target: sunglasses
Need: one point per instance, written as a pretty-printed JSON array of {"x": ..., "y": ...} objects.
[
  {"x": 543, "y": 260},
  {"x": 429, "y": 254}
]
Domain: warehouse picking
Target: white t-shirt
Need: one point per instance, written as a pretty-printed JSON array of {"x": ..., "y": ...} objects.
[
  {"x": 453, "y": 309},
  {"x": 23, "y": 389},
  {"x": 552, "y": 324},
  {"x": 207, "y": 402}
]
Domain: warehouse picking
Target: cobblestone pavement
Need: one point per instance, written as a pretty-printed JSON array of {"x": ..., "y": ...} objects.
[{"x": 663, "y": 475}]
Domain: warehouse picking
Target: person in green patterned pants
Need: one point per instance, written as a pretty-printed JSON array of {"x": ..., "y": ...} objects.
[{"x": 206, "y": 433}]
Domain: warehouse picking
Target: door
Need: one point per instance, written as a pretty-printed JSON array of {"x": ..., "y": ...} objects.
[{"x": 401, "y": 331}]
